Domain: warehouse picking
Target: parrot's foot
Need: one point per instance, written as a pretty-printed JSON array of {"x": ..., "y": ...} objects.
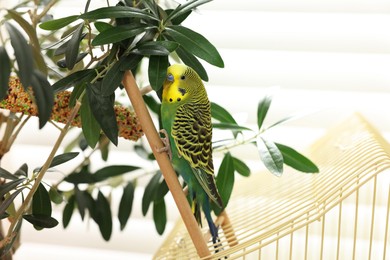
[{"x": 167, "y": 145}]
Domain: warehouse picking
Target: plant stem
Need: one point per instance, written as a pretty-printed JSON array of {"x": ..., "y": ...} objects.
[
  {"x": 36, "y": 18},
  {"x": 237, "y": 143},
  {"x": 13, "y": 137},
  {"x": 43, "y": 170}
]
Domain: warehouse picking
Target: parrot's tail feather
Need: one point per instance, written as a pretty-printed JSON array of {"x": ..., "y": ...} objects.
[
  {"x": 214, "y": 235},
  {"x": 213, "y": 229}
]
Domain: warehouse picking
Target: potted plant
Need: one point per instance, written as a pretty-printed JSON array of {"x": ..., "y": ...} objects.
[{"x": 69, "y": 71}]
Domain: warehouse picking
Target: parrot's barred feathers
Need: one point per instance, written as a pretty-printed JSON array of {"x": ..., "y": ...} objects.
[{"x": 192, "y": 132}]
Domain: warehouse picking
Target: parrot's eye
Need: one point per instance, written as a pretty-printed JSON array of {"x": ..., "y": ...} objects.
[
  {"x": 170, "y": 77},
  {"x": 183, "y": 77}
]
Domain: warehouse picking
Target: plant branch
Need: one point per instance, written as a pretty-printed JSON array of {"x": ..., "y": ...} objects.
[
  {"x": 13, "y": 137},
  {"x": 35, "y": 18},
  {"x": 43, "y": 170},
  {"x": 165, "y": 165}
]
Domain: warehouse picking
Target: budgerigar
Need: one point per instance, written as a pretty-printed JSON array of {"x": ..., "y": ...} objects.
[{"x": 186, "y": 118}]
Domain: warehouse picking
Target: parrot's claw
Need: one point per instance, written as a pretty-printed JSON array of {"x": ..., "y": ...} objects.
[{"x": 167, "y": 145}]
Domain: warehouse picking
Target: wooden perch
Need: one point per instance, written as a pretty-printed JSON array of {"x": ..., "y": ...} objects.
[{"x": 165, "y": 165}]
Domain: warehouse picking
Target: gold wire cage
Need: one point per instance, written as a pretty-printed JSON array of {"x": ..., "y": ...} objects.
[{"x": 340, "y": 213}]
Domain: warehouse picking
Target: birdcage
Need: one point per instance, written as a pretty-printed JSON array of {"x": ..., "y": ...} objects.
[{"x": 340, "y": 213}]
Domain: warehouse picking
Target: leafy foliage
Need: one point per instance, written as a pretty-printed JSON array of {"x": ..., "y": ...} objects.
[{"x": 128, "y": 36}]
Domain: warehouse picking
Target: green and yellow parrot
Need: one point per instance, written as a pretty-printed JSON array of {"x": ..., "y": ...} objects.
[{"x": 186, "y": 118}]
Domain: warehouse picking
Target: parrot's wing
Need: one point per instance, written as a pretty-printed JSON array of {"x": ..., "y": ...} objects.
[
  {"x": 207, "y": 182},
  {"x": 192, "y": 132}
]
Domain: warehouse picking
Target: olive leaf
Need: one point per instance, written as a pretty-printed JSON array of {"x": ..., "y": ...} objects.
[
  {"x": 23, "y": 54},
  {"x": 5, "y": 65},
  {"x": 195, "y": 44},
  {"x": 58, "y": 23},
  {"x": 103, "y": 110},
  {"x": 157, "y": 71},
  {"x": 262, "y": 110},
  {"x": 270, "y": 155},
  {"x": 296, "y": 160},
  {"x": 225, "y": 181},
  {"x": 126, "y": 204}
]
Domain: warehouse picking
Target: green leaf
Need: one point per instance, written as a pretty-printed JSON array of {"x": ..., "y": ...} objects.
[
  {"x": 195, "y": 44},
  {"x": 150, "y": 191},
  {"x": 102, "y": 26},
  {"x": 241, "y": 167},
  {"x": 4, "y": 205},
  {"x": 55, "y": 196},
  {"x": 41, "y": 204},
  {"x": 90, "y": 204},
  {"x": 80, "y": 56},
  {"x": 130, "y": 62},
  {"x": 58, "y": 23},
  {"x": 5, "y": 72},
  {"x": 225, "y": 181},
  {"x": 72, "y": 49},
  {"x": 112, "y": 171},
  {"x": 44, "y": 96},
  {"x": 31, "y": 32},
  {"x": 112, "y": 79},
  {"x": 27, "y": 27},
  {"x": 270, "y": 155},
  {"x": 221, "y": 114},
  {"x": 81, "y": 176},
  {"x": 184, "y": 8},
  {"x": 7, "y": 187},
  {"x": 141, "y": 152},
  {"x": 180, "y": 18},
  {"x": 77, "y": 91},
  {"x": 262, "y": 110},
  {"x": 230, "y": 126},
  {"x": 62, "y": 158},
  {"x": 103, "y": 110},
  {"x": 171, "y": 46},
  {"x": 117, "y": 12},
  {"x": 22, "y": 171},
  {"x": 68, "y": 211},
  {"x": 162, "y": 190},
  {"x": 84, "y": 201},
  {"x": 118, "y": 33},
  {"x": 90, "y": 126},
  {"x": 41, "y": 221},
  {"x": 152, "y": 6},
  {"x": 103, "y": 216},
  {"x": 227, "y": 121},
  {"x": 126, "y": 204},
  {"x": 157, "y": 71},
  {"x": 7, "y": 175},
  {"x": 23, "y": 55},
  {"x": 296, "y": 160},
  {"x": 152, "y": 103},
  {"x": 104, "y": 147},
  {"x": 159, "y": 216},
  {"x": 151, "y": 48},
  {"x": 191, "y": 61},
  {"x": 72, "y": 79}
]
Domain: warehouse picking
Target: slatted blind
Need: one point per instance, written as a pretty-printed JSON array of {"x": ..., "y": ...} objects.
[{"x": 322, "y": 54}]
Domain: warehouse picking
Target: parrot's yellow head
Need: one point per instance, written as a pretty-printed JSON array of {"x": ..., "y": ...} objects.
[{"x": 182, "y": 84}]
